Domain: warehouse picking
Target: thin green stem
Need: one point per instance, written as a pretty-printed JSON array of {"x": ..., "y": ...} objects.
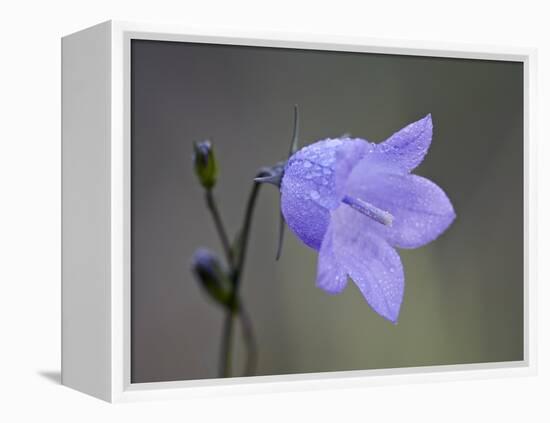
[
  {"x": 236, "y": 265},
  {"x": 248, "y": 331},
  {"x": 225, "y": 352},
  {"x": 212, "y": 206},
  {"x": 247, "y": 223},
  {"x": 250, "y": 341}
]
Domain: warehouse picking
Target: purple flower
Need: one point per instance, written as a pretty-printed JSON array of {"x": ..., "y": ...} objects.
[{"x": 354, "y": 202}]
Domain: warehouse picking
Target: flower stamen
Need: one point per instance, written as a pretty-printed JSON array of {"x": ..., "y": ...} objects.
[{"x": 376, "y": 214}]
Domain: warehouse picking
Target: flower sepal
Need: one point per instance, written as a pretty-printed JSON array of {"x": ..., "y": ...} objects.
[
  {"x": 271, "y": 174},
  {"x": 274, "y": 175}
]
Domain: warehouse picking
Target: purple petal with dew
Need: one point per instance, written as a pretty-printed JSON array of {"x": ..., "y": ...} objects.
[
  {"x": 304, "y": 216},
  {"x": 406, "y": 149},
  {"x": 313, "y": 184},
  {"x": 421, "y": 210},
  {"x": 350, "y": 153},
  {"x": 331, "y": 277},
  {"x": 370, "y": 261}
]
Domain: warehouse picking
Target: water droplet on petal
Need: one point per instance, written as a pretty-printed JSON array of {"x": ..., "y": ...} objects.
[{"x": 314, "y": 195}]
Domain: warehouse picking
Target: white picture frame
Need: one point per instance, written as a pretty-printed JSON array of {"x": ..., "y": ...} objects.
[{"x": 96, "y": 213}]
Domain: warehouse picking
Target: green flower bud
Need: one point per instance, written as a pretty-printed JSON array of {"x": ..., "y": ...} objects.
[
  {"x": 210, "y": 274},
  {"x": 205, "y": 163}
]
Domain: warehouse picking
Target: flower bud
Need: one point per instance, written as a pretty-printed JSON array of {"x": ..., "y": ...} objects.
[
  {"x": 210, "y": 274},
  {"x": 205, "y": 163}
]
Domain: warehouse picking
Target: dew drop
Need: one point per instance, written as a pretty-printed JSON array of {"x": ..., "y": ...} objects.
[
  {"x": 314, "y": 195},
  {"x": 325, "y": 202}
]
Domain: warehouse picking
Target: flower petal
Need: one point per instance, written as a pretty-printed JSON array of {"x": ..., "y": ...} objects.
[
  {"x": 370, "y": 261},
  {"x": 313, "y": 184},
  {"x": 406, "y": 148},
  {"x": 421, "y": 210},
  {"x": 304, "y": 216},
  {"x": 331, "y": 277}
]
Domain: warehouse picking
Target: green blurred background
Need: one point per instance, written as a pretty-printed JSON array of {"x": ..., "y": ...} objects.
[{"x": 464, "y": 292}]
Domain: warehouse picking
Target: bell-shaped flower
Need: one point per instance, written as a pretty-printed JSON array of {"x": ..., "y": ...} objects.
[{"x": 355, "y": 202}]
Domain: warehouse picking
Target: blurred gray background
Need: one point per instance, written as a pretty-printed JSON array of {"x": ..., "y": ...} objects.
[{"x": 464, "y": 292}]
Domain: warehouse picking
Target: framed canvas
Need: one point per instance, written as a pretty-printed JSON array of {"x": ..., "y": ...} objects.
[{"x": 260, "y": 212}]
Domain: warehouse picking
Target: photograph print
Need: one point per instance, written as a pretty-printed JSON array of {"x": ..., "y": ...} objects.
[{"x": 303, "y": 211}]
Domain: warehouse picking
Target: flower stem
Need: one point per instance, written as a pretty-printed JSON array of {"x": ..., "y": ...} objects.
[
  {"x": 236, "y": 265},
  {"x": 250, "y": 340},
  {"x": 212, "y": 206},
  {"x": 225, "y": 352},
  {"x": 247, "y": 223}
]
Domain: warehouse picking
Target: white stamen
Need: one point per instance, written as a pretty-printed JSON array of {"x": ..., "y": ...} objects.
[{"x": 376, "y": 214}]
